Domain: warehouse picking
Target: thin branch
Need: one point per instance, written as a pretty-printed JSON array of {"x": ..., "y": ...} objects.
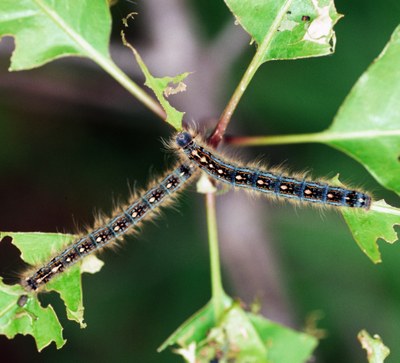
[
  {"x": 324, "y": 136},
  {"x": 216, "y": 282},
  {"x": 104, "y": 61},
  {"x": 255, "y": 63}
]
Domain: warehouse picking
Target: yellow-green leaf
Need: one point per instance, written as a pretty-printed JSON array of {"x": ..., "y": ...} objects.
[{"x": 376, "y": 350}]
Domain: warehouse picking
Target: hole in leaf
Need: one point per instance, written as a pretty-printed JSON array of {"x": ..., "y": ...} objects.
[
  {"x": 331, "y": 44},
  {"x": 305, "y": 18},
  {"x": 11, "y": 263}
]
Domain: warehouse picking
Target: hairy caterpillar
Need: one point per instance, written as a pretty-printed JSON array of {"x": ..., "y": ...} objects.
[
  {"x": 271, "y": 183},
  {"x": 117, "y": 226}
]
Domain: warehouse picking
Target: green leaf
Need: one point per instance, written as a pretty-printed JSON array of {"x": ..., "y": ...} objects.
[
  {"x": 284, "y": 344},
  {"x": 368, "y": 226},
  {"x": 292, "y": 28},
  {"x": 239, "y": 336},
  {"x": 47, "y": 29},
  {"x": 196, "y": 327},
  {"x": 70, "y": 288},
  {"x": 234, "y": 338},
  {"x": 38, "y": 248},
  {"x": 161, "y": 87},
  {"x": 33, "y": 319},
  {"x": 376, "y": 350},
  {"x": 367, "y": 125}
]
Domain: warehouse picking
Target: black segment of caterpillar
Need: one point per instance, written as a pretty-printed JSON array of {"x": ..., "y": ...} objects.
[
  {"x": 270, "y": 183},
  {"x": 118, "y": 225}
]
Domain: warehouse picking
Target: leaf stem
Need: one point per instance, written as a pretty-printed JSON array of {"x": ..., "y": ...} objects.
[
  {"x": 387, "y": 209},
  {"x": 324, "y": 136},
  {"x": 103, "y": 61},
  {"x": 111, "y": 68},
  {"x": 255, "y": 63},
  {"x": 218, "y": 293},
  {"x": 274, "y": 140}
]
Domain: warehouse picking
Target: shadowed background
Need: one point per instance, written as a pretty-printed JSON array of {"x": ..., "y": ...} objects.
[{"x": 71, "y": 140}]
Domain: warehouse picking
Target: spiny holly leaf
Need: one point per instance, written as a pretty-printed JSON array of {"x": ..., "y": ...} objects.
[
  {"x": 49, "y": 29},
  {"x": 368, "y": 226},
  {"x": 376, "y": 350},
  {"x": 367, "y": 126},
  {"x": 31, "y": 318},
  {"x": 37, "y": 248},
  {"x": 162, "y": 87},
  {"x": 239, "y": 336},
  {"x": 293, "y": 28}
]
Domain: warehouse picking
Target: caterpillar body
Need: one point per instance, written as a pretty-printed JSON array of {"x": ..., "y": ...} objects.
[
  {"x": 271, "y": 183},
  {"x": 117, "y": 226}
]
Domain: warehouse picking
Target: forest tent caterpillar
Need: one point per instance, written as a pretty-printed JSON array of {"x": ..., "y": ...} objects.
[
  {"x": 292, "y": 188},
  {"x": 117, "y": 226}
]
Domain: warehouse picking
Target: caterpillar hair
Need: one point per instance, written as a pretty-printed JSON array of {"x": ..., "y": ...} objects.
[
  {"x": 139, "y": 209},
  {"x": 269, "y": 182}
]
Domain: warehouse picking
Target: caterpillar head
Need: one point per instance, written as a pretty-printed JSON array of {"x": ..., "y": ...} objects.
[{"x": 183, "y": 139}]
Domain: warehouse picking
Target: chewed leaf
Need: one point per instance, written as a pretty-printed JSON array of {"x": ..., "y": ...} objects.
[
  {"x": 23, "y": 314},
  {"x": 284, "y": 344},
  {"x": 45, "y": 30},
  {"x": 239, "y": 336},
  {"x": 162, "y": 88},
  {"x": 367, "y": 125},
  {"x": 233, "y": 338},
  {"x": 173, "y": 90},
  {"x": 70, "y": 288},
  {"x": 161, "y": 85},
  {"x": 195, "y": 328},
  {"x": 295, "y": 29},
  {"x": 37, "y": 248},
  {"x": 369, "y": 226},
  {"x": 376, "y": 350},
  {"x": 91, "y": 264}
]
